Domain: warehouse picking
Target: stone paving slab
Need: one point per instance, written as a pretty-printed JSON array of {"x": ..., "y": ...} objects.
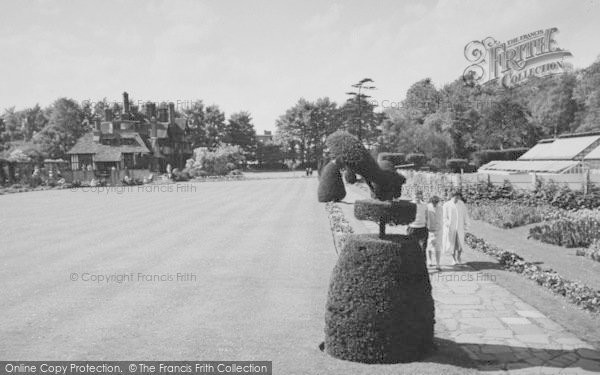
[{"x": 499, "y": 331}]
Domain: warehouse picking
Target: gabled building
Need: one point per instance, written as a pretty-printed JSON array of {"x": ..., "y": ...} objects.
[{"x": 133, "y": 140}]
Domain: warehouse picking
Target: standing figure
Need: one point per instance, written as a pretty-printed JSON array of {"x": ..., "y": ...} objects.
[
  {"x": 456, "y": 222},
  {"x": 435, "y": 226},
  {"x": 418, "y": 228}
]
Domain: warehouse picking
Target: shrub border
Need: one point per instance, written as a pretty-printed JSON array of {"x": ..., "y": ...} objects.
[{"x": 577, "y": 293}]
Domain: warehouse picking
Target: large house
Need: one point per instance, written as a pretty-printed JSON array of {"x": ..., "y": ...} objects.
[
  {"x": 567, "y": 154},
  {"x": 133, "y": 140}
]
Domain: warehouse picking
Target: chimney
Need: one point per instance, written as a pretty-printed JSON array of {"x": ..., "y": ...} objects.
[
  {"x": 171, "y": 113},
  {"x": 153, "y": 132},
  {"x": 150, "y": 110},
  {"x": 125, "y": 103},
  {"x": 163, "y": 113},
  {"x": 108, "y": 115}
]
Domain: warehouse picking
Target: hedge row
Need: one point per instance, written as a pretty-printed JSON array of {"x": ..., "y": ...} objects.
[
  {"x": 485, "y": 156},
  {"x": 577, "y": 293}
]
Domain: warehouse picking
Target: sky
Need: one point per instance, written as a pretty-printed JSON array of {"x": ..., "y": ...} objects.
[{"x": 260, "y": 56}]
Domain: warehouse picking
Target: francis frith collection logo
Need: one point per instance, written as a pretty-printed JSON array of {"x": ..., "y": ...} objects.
[{"x": 514, "y": 61}]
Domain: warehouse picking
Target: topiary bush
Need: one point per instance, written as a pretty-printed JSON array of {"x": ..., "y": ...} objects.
[
  {"x": 417, "y": 159},
  {"x": 385, "y": 184},
  {"x": 379, "y": 307},
  {"x": 394, "y": 158},
  {"x": 455, "y": 165},
  {"x": 331, "y": 186},
  {"x": 385, "y": 212}
]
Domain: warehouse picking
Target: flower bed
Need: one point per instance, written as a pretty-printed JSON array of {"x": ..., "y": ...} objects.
[
  {"x": 506, "y": 214},
  {"x": 576, "y": 293},
  {"x": 340, "y": 227},
  {"x": 570, "y": 229},
  {"x": 592, "y": 252}
]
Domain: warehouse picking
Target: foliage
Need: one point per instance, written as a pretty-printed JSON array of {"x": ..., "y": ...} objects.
[
  {"x": 379, "y": 307},
  {"x": 219, "y": 162},
  {"x": 269, "y": 155},
  {"x": 240, "y": 131},
  {"x": 577, "y": 293},
  {"x": 571, "y": 229},
  {"x": 303, "y": 127},
  {"x": 456, "y": 165},
  {"x": 396, "y": 158},
  {"x": 592, "y": 252},
  {"x": 485, "y": 156},
  {"x": 391, "y": 212},
  {"x": 508, "y": 214},
  {"x": 331, "y": 187},
  {"x": 350, "y": 153},
  {"x": 417, "y": 159}
]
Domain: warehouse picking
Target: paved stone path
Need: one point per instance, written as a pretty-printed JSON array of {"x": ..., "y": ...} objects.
[{"x": 498, "y": 330}]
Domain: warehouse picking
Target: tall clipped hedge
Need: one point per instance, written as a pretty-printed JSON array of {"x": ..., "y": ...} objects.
[
  {"x": 485, "y": 156},
  {"x": 394, "y": 158},
  {"x": 379, "y": 307},
  {"x": 455, "y": 165},
  {"x": 331, "y": 186},
  {"x": 417, "y": 159}
]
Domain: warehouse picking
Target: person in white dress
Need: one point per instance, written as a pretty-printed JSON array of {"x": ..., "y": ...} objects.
[{"x": 456, "y": 222}]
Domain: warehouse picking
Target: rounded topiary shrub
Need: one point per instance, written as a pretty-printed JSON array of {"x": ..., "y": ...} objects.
[
  {"x": 399, "y": 212},
  {"x": 379, "y": 307},
  {"x": 331, "y": 186}
]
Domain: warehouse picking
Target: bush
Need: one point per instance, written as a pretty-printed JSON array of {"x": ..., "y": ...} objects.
[
  {"x": 592, "y": 252},
  {"x": 349, "y": 152},
  {"x": 508, "y": 214},
  {"x": 235, "y": 172},
  {"x": 379, "y": 307},
  {"x": 417, "y": 159},
  {"x": 570, "y": 229},
  {"x": 331, "y": 186},
  {"x": 394, "y": 158},
  {"x": 385, "y": 212},
  {"x": 485, "y": 156},
  {"x": 219, "y": 162},
  {"x": 456, "y": 165}
]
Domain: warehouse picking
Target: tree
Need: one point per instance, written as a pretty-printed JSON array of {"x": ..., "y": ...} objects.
[
  {"x": 422, "y": 99},
  {"x": 64, "y": 127},
  {"x": 360, "y": 110},
  {"x": 214, "y": 125},
  {"x": 269, "y": 155},
  {"x": 240, "y": 131}
]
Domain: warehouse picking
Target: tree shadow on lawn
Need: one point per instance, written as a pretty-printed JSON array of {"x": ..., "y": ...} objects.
[{"x": 489, "y": 357}]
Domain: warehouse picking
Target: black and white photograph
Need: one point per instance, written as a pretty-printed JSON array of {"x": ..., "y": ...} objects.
[{"x": 261, "y": 187}]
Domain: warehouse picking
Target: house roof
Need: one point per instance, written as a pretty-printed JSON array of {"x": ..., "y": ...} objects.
[
  {"x": 523, "y": 166},
  {"x": 563, "y": 148},
  {"x": 86, "y": 145}
]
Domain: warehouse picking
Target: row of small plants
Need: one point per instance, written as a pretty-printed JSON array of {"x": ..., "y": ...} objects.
[
  {"x": 569, "y": 228},
  {"x": 508, "y": 214},
  {"x": 577, "y": 293},
  {"x": 340, "y": 227}
]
